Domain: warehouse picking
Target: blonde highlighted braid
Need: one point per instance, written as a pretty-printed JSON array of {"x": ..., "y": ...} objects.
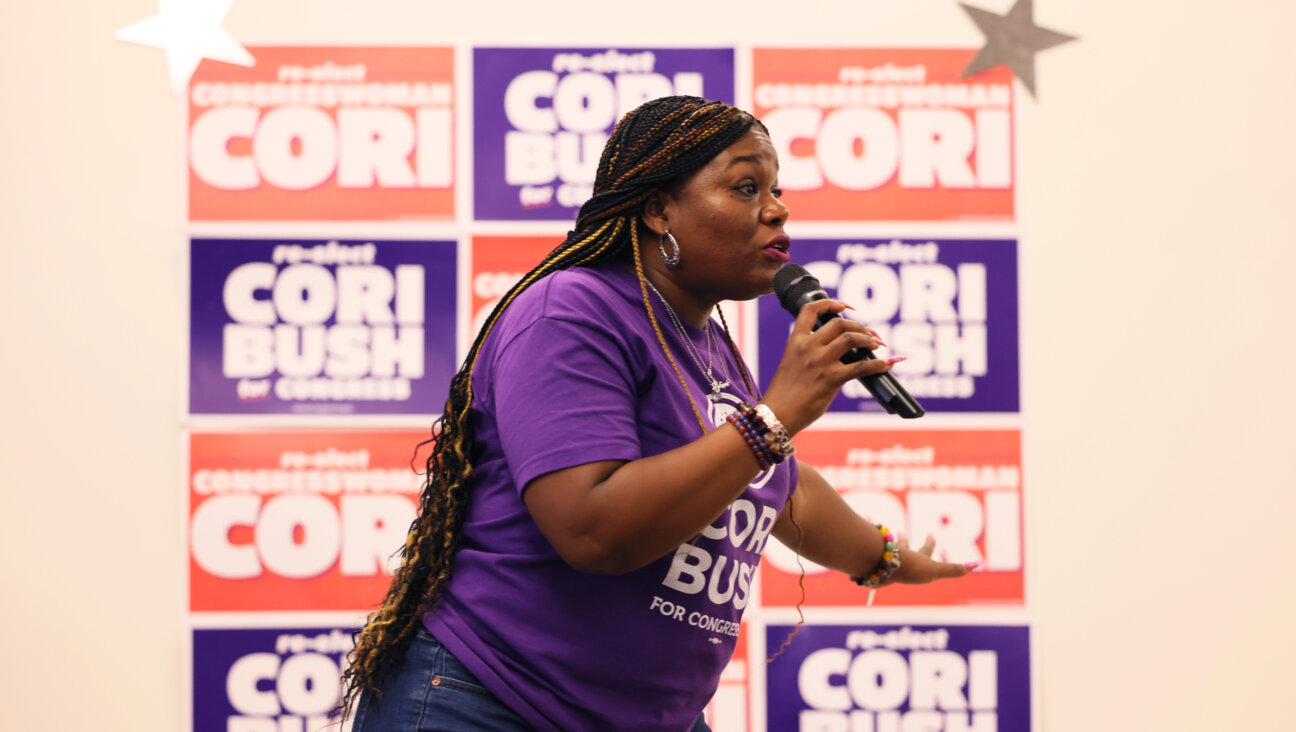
[{"x": 652, "y": 148}]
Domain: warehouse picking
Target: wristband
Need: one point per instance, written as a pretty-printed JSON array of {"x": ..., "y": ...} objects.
[
  {"x": 753, "y": 439},
  {"x": 780, "y": 441},
  {"x": 887, "y": 565},
  {"x": 764, "y": 434},
  {"x": 763, "y": 430}
]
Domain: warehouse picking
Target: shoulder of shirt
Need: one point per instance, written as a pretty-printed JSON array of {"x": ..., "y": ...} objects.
[{"x": 582, "y": 296}]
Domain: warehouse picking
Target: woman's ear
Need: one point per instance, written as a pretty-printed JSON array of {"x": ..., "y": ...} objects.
[{"x": 654, "y": 215}]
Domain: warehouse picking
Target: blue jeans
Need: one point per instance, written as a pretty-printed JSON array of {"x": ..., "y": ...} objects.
[{"x": 434, "y": 692}]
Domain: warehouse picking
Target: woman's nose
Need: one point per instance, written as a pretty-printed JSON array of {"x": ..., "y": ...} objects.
[{"x": 775, "y": 212}]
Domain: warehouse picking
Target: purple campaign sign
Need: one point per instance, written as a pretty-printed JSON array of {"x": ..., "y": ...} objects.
[
  {"x": 320, "y": 327},
  {"x": 542, "y": 115},
  {"x": 890, "y": 678},
  {"x": 266, "y": 679},
  {"x": 949, "y": 306}
]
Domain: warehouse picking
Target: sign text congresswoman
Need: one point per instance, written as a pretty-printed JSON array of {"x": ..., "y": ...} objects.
[
  {"x": 297, "y": 520},
  {"x": 887, "y": 134},
  {"x": 963, "y": 487},
  {"x": 542, "y": 116},
  {"x": 949, "y": 306},
  {"x": 321, "y": 327},
  {"x": 336, "y": 134}
]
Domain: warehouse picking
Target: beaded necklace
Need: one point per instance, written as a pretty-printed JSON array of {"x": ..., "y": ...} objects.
[{"x": 716, "y": 385}]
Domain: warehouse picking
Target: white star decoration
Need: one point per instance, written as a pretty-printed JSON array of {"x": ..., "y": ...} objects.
[{"x": 190, "y": 31}]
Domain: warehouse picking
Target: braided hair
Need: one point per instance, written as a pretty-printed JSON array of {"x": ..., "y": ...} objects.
[{"x": 654, "y": 147}]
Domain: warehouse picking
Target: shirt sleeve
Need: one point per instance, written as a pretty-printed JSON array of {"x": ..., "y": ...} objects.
[{"x": 564, "y": 395}]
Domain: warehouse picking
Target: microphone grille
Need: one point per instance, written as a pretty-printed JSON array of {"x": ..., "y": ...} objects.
[
  {"x": 786, "y": 276},
  {"x": 791, "y": 284}
]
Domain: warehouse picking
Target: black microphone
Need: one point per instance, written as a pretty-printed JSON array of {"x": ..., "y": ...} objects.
[{"x": 795, "y": 288}]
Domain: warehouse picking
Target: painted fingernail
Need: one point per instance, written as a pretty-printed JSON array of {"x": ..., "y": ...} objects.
[
  {"x": 972, "y": 565},
  {"x": 929, "y": 538},
  {"x": 848, "y": 307},
  {"x": 895, "y": 360}
]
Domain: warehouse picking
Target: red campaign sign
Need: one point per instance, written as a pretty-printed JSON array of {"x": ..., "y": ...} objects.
[
  {"x": 498, "y": 262},
  {"x": 297, "y": 520},
  {"x": 323, "y": 134},
  {"x": 727, "y": 710},
  {"x": 887, "y": 134},
  {"x": 964, "y": 487}
]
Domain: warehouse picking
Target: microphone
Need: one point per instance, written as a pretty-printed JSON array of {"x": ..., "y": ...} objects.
[{"x": 795, "y": 287}]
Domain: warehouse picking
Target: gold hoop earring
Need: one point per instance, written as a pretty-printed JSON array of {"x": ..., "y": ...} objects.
[{"x": 671, "y": 260}]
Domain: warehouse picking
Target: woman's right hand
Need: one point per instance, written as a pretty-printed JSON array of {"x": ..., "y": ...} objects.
[{"x": 811, "y": 372}]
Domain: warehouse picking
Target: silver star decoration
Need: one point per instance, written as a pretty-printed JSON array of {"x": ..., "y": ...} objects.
[
  {"x": 1012, "y": 39},
  {"x": 189, "y": 30}
]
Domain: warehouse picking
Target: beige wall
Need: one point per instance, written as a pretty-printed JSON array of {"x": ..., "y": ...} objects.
[{"x": 1158, "y": 228}]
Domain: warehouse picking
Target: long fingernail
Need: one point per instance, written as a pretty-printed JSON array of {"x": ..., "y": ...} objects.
[
  {"x": 929, "y": 538},
  {"x": 972, "y": 565},
  {"x": 895, "y": 360},
  {"x": 848, "y": 307}
]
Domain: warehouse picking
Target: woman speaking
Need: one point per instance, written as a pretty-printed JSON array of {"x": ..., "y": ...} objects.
[{"x": 605, "y": 474}]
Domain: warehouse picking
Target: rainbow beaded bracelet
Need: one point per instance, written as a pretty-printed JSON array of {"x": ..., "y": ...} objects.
[{"x": 889, "y": 563}]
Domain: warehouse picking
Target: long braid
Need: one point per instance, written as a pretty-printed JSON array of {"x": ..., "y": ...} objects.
[
  {"x": 683, "y": 134},
  {"x": 661, "y": 339}
]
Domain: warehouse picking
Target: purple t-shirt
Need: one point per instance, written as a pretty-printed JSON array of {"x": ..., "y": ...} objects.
[{"x": 573, "y": 374}]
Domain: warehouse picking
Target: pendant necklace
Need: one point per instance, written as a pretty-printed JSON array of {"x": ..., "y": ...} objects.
[{"x": 716, "y": 385}]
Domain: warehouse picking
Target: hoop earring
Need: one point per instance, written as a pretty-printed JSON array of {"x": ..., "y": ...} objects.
[{"x": 671, "y": 260}]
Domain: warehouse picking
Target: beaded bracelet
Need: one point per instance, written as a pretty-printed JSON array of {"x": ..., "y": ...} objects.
[
  {"x": 776, "y": 435},
  {"x": 775, "y": 439},
  {"x": 889, "y": 563},
  {"x": 753, "y": 438}
]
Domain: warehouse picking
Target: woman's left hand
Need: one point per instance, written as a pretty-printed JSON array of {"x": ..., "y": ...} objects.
[{"x": 918, "y": 568}]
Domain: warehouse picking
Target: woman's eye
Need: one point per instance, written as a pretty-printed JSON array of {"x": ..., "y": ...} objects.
[
  {"x": 748, "y": 189},
  {"x": 778, "y": 192}
]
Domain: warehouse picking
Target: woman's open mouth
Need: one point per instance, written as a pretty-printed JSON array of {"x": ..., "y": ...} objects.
[{"x": 777, "y": 249}]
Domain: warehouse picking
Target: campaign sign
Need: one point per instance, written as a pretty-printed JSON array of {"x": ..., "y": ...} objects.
[
  {"x": 948, "y": 306},
  {"x": 321, "y": 327},
  {"x": 887, "y": 678},
  {"x": 900, "y": 125},
  {"x": 267, "y": 679},
  {"x": 323, "y": 134},
  {"x": 963, "y": 487},
  {"x": 498, "y": 263},
  {"x": 298, "y": 520},
  {"x": 727, "y": 710},
  {"x": 542, "y": 115}
]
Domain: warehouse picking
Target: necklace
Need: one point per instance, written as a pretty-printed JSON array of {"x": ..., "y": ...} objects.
[{"x": 716, "y": 385}]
